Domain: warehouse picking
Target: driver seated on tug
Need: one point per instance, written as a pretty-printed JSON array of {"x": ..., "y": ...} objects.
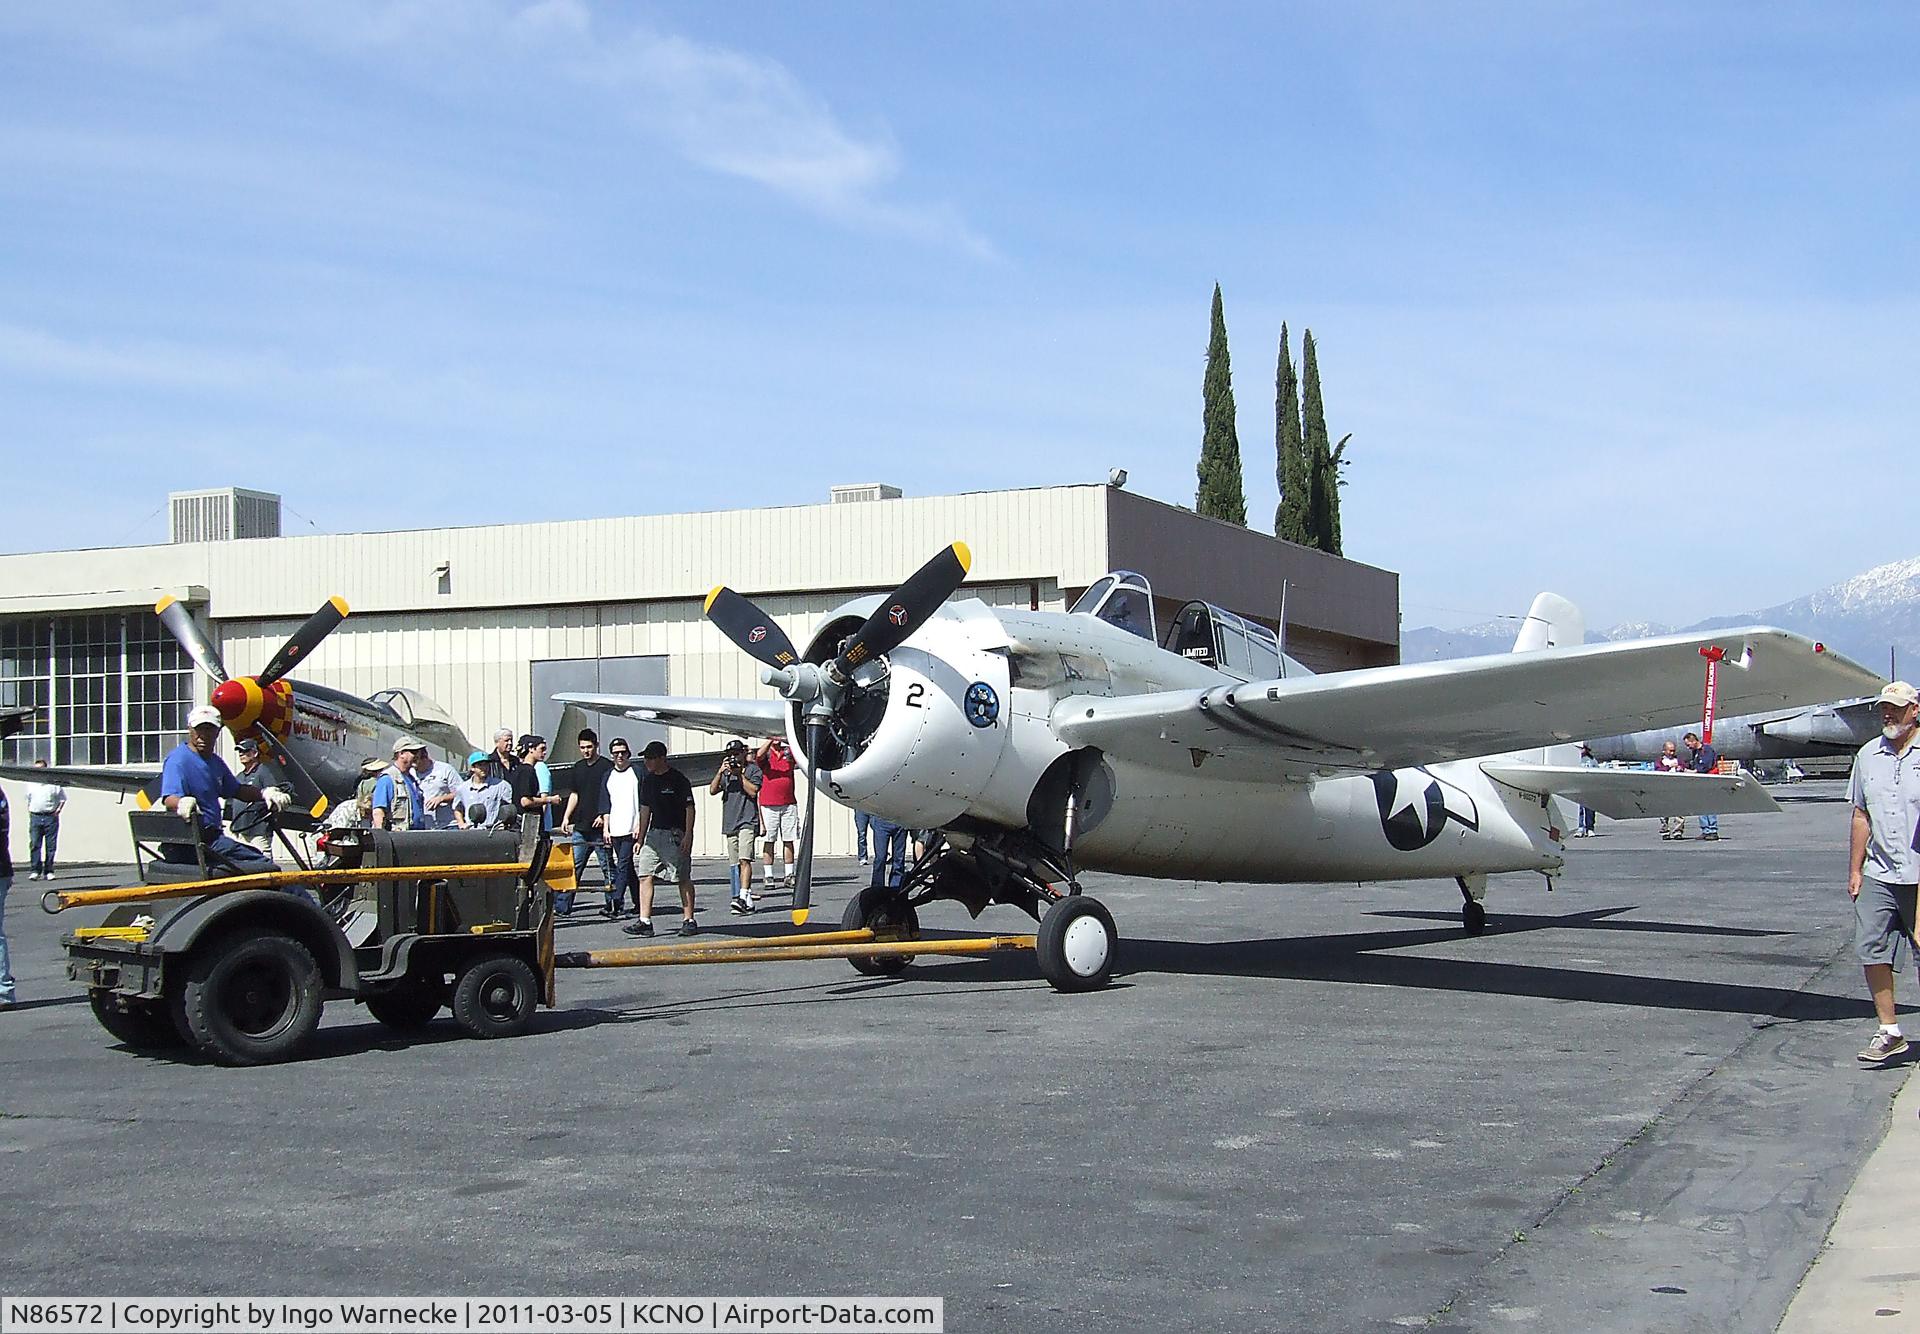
[{"x": 193, "y": 783}]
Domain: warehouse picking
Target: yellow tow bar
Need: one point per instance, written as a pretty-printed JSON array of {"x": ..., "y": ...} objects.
[
  {"x": 862, "y": 944},
  {"x": 559, "y": 876}
]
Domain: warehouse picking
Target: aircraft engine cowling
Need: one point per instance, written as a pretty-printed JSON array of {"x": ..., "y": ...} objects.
[{"x": 925, "y": 741}]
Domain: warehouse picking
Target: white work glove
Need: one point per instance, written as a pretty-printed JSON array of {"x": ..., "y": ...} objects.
[
  {"x": 184, "y": 807},
  {"x": 277, "y": 798}
]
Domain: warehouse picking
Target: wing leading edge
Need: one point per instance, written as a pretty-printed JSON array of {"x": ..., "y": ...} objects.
[
  {"x": 746, "y": 717},
  {"x": 1423, "y": 713}
]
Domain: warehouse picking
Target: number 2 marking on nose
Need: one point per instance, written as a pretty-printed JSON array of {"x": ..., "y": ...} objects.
[{"x": 914, "y": 694}]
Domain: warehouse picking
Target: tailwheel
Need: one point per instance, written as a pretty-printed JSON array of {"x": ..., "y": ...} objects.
[
  {"x": 1076, "y": 944},
  {"x": 887, "y": 914}
]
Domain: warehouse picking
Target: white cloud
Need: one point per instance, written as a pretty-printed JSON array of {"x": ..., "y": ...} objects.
[{"x": 731, "y": 112}]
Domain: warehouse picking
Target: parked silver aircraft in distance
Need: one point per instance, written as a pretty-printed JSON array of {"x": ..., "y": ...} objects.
[{"x": 1786, "y": 734}]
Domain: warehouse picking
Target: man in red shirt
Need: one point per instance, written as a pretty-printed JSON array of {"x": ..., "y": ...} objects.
[{"x": 779, "y": 816}]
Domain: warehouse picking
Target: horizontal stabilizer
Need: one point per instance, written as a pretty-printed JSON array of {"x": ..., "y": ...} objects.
[{"x": 1636, "y": 794}]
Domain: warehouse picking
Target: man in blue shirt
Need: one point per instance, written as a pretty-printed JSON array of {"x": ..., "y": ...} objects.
[
  {"x": 194, "y": 781},
  {"x": 397, "y": 799},
  {"x": 1705, "y": 760}
]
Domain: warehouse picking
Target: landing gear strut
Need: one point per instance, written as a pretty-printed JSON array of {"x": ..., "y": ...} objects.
[
  {"x": 1077, "y": 943},
  {"x": 1473, "y": 913}
]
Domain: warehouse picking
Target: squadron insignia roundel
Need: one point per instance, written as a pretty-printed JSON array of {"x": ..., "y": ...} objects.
[
  {"x": 981, "y": 704},
  {"x": 1415, "y": 806}
]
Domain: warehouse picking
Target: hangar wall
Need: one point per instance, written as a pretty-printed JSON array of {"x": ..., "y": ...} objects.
[{"x": 461, "y": 614}]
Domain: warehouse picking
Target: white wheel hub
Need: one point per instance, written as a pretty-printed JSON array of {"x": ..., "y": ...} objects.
[{"x": 1086, "y": 945}]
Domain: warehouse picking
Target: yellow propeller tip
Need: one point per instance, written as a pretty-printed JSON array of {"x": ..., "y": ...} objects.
[
  {"x": 142, "y": 800},
  {"x": 339, "y": 605},
  {"x": 964, "y": 555},
  {"x": 715, "y": 592},
  {"x": 319, "y": 808},
  {"x": 800, "y": 916},
  {"x": 164, "y": 603}
]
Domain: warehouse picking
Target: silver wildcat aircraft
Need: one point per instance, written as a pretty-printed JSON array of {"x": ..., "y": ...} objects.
[
  {"x": 314, "y": 737},
  {"x": 1043, "y": 743}
]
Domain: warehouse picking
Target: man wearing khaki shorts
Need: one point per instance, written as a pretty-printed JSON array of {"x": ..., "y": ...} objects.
[
  {"x": 666, "y": 837},
  {"x": 1884, "y": 867},
  {"x": 737, "y": 784}
]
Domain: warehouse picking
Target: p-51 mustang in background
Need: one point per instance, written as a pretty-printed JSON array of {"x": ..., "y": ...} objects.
[
  {"x": 314, "y": 737},
  {"x": 1045, "y": 743}
]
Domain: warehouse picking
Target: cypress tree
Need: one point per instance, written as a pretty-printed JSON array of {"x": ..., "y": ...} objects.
[
  {"x": 1321, "y": 498},
  {"x": 1221, "y": 494},
  {"x": 1336, "y": 462},
  {"x": 1290, "y": 517}
]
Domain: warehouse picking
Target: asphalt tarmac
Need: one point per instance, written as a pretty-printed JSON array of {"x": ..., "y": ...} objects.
[{"x": 1631, "y": 1105}]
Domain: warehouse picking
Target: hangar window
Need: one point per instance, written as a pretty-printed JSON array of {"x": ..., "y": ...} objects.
[{"x": 106, "y": 688}]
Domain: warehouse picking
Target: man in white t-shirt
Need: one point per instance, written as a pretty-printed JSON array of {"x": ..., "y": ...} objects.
[{"x": 620, "y": 823}]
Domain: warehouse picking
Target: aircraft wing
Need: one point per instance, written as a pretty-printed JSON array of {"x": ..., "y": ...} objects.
[
  {"x": 1634, "y": 794},
  {"x": 92, "y": 777},
  {"x": 745, "y": 717},
  {"x": 1423, "y": 713}
]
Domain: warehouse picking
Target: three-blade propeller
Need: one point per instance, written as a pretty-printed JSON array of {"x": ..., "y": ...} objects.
[
  {"x": 900, "y": 613},
  {"x": 241, "y": 700}
]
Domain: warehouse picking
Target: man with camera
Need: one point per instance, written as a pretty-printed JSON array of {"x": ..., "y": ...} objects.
[{"x": 737, "y": 784}]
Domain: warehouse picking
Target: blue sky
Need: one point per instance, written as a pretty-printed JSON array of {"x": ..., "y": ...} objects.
[{"x": 1615, "y": 300}]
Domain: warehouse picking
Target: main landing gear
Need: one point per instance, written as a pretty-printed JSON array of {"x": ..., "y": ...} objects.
[
  {"x": 1076, "y": 946},
  {"x": 1473, "y": 913}
]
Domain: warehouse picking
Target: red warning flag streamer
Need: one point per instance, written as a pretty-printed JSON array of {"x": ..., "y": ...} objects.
[{"x": 1713, "y": 653}]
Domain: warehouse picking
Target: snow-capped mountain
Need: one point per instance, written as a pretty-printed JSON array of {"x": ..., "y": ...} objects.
[{"x": 1863, "y": 617}]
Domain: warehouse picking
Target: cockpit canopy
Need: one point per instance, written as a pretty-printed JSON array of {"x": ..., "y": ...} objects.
[
  {"x": 1229, "y": 643},
  {"x": 412, "y": 708},
  {"x": 1201, "y": 632},
  {"x": 1123, "y": 599}
]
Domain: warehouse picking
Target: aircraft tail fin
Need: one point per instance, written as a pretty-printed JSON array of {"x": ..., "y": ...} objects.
[{"x": 1552, "y": 622}]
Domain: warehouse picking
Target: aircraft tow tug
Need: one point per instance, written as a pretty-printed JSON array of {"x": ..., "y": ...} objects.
[{"x": 406, "y": 923}]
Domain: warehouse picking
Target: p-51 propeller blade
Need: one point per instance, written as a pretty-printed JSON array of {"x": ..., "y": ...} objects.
[
  {"x": 186, "y": 631},
  {"x": 317, "y": 627}
]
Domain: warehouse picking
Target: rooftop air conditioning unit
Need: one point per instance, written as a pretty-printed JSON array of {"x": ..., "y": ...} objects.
[
  {"x": 222, "y": 514},
  {"x": 846, "y": 495}
]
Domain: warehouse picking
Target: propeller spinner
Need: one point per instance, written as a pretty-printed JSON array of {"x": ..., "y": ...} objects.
[
  {"x": 823, "y": 690},
  {"x": 259, "y": 706}
]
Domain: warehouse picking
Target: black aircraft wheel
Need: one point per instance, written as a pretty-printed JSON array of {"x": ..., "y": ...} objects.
[
  {"x": 143, "y": 1024},
  {"x": 252, "y": 999},
  {"x": 1473, "y": 916},
  {"x": 1076, "y": 944},
  {"x": 889, "y": 916},
  {"x": 410, "y": 1004},
  {"x": 495, "y": 996}
]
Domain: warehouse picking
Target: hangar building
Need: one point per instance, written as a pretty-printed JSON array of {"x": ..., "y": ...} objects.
[{"x": 489, "y": 621}]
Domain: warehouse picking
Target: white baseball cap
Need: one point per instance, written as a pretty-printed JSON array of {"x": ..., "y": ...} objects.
[
  {"x": 1899, "y": 694},
  {"x": 206, "y": 713}
]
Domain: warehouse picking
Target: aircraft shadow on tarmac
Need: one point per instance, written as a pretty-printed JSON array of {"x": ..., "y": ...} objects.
[{"x": 1366, "y": 957}]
